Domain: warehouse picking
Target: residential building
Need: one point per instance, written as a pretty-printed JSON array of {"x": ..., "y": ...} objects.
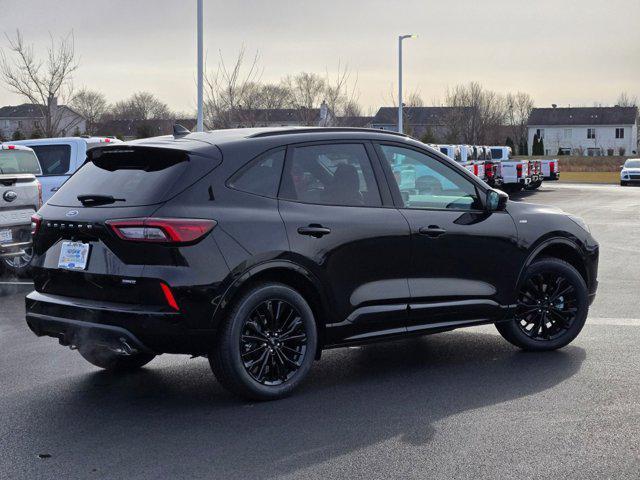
[
  {"x": 585, "y": 131},
  {"x": 29, "y": 120},
  {"x": 419, "y": 121}
]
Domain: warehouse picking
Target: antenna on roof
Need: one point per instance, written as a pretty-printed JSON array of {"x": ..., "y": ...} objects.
[{"x": 180, "y": 131}]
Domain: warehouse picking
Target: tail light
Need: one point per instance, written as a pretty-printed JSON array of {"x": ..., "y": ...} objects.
[
  {"x": 519, "y": 170},
  {"x": 552, "y": 167},
  {"x": 161, "y": 230},
  {"x": 39, "y": 195},
  {"x": 36, "y": 221},
  {"x": 488, "y": 169},
  {"x": 475, "y": 169}
]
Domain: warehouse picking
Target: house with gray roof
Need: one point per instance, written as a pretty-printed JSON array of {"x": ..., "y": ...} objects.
[
  {"x": 419, "y": 120},
  {"x": 28, "y": 119},
  {"x": 585, "y": 131}
]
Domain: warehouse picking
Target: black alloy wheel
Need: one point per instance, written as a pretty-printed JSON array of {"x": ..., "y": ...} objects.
[
  {"x": 547, "y": 306},
  {"x": 266, "y": 344},
  {"x": 552, "y": 307},
  {"x": 273, "y": 343}
]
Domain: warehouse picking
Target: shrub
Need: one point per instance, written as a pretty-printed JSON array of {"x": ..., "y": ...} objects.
[{"x": 622, "y": 151}]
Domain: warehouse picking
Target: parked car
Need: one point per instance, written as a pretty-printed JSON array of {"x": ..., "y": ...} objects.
[
  {"x": 515, "y": 174},
  {"x": 20, "y": 198},
  {"x": 60, "y": 157},
  {"x": 259, "y": 248},
  {"x": 630, "y": 172}
]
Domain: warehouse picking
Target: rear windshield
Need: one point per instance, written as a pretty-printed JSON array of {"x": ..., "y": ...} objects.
[
  {"x": 135, "y": 177},
  {"x": 18, "y": 161},
  {"x": 55, "y": 159}
]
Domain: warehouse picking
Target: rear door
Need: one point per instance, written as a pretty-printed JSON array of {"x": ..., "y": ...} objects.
[
  {"x": 460, "y": 254},
  {"x": 344, "y": 229}
]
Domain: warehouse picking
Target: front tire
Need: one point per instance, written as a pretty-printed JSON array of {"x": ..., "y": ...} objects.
[
  {"x": 106, "y": 358},
  {"x": 623, "y": 183},
  {"x": 553, "y": 304},
  {"x": 267, "y": 344},
  {"x": 534, "y": 185}
]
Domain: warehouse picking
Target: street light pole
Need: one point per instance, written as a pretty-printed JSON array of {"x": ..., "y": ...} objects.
[
  {"x": 200, "y": 123},
  {"x": 400, "y": 39}
]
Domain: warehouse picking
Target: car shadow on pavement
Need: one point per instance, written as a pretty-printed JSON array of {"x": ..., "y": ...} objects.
[{"x": 353, "y": 399}]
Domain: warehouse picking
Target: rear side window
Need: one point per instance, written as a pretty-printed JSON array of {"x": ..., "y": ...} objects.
[
  {"x": 337, "y": 174},
  {"x": 54, "y": 159},
  {"x": 18, "y": 161},
  {"x": 141, "y": 176},
  {"x": 261, "y": 176}
]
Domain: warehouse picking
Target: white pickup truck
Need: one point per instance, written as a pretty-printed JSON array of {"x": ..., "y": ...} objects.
[
  {"x": 550, "y": 169},
  {"x": 515, "y": 173},
  {"x": 60, "y": 158}
]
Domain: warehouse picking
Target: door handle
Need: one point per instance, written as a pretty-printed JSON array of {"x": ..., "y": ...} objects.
[
  {"x": 314, "y": 230},
  {"x": 55, "y": 189},
  {"x": 432, "y": 231}
]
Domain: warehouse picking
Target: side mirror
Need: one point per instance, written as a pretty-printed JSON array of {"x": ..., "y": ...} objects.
[
  {"x": 621, "y": 167},
  {"x": 496, "y": 200}
]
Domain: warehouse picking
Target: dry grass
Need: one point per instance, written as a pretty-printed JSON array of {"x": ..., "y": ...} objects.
[
  {"x": 589, "y": 177},
  {"x": 587, "y": 164}
]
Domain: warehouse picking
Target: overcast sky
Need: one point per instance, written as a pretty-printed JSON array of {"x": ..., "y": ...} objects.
[{"x": 560, "y": 51}]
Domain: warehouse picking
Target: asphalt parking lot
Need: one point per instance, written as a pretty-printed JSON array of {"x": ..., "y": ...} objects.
[{"x": 463, "y": 404}]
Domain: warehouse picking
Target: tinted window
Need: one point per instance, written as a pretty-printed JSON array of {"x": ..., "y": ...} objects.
[
  {"x": 261, "y": 176},
  {"x": 339, "y": 174},
  {"x": 425, "y": 182},
  {"x": 138, "y": 177},
  {"x": 18, "y": 161},
  {"x": 54, "y": 159}
]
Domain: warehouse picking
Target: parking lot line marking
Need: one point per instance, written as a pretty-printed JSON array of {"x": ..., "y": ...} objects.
[{"x": 635, "y": 322}]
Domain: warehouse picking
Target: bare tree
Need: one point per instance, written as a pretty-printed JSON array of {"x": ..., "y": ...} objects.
[
  {"x": 518, "y": 109},
  {"x": 229, "y": 90},
  {"x": 43, "y": 82},
  {"x": 91, "y": 105},
  {"x": 140, "y": 106},
  {"x": 307, "y": 91},
  {"x": 626, "y": 100}
]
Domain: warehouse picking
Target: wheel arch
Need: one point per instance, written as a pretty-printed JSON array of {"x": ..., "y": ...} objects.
[
  {"x": 287, "y": 273},
  {"x": 563, "y": 249}
]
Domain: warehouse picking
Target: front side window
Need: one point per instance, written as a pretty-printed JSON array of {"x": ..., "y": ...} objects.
[
  {"x": 335, "y": 174},
  {"x": 54, "y": 159},
  {"x": 261, "y": 176},
  {"x": 427, "y": 183}
]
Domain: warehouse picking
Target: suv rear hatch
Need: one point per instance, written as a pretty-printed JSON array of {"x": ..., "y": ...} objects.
[{"x": 119, "y": 182}]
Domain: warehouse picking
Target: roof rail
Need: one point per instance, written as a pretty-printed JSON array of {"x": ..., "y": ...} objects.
[{"x": 289, "y": 131}]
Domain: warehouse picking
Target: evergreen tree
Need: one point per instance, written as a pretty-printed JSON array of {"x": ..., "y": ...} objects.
[
  {"x": 17, "y": 135},
  {"x": 509, "y": 143},
  {"x": 541, "y": 147}
]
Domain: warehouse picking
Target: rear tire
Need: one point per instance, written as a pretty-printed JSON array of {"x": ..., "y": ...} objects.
[
  {"x": 534, "y": 185},
  {"x": 553, "y": 304},
  {"x": 267, "y": 344},
  {"x": 105, "y": 358}
]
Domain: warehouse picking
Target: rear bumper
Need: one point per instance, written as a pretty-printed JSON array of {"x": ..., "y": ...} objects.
[
  {"x": 14, "y": 249},
  {"x": 145, "y": 328},
  {"x": 21, "y": 240}
]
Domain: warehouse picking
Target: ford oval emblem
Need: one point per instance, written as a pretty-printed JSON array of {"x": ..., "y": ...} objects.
[
  {"x": 72, "y": 213},
  {"x": 10, "y": 196}
]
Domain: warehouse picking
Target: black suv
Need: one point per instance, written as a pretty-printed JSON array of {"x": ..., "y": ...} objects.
[{"x": 258, "y": 248}]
